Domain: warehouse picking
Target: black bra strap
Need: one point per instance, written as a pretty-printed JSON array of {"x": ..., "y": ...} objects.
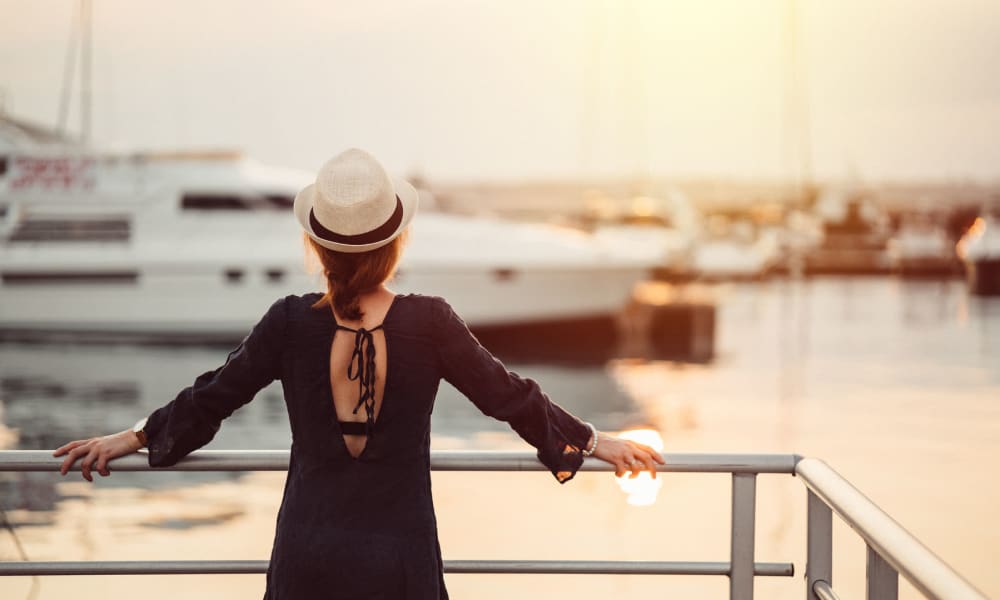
[
  {"x": 376, "y": 328},
  {"x": 353, "y": 428}
]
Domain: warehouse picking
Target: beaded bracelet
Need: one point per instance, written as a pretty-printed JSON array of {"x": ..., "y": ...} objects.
[{"x": 593, "y": 446}]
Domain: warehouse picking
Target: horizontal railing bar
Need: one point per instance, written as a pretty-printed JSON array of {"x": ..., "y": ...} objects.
[
  {"x": 536, "y": 567},
  {"x": 441, "y": 460},
  {"x": 911, "y": 559},
  {"x": 823, "y": 591},
  {"x": 605, "y": 567}
]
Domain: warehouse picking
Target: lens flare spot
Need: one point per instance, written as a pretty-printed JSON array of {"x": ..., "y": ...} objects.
[{"x": 641, "y": 490}]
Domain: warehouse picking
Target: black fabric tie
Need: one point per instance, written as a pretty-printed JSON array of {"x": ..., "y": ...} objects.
[{"x": 362, "y": 368}]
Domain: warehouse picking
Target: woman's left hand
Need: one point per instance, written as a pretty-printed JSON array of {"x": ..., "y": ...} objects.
[
  {"x": 99, "y": 449},
  {"x": 627, "y": 455}
]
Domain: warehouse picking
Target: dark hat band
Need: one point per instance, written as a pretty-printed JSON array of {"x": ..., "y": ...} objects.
[{"x": 378, "y": 234}]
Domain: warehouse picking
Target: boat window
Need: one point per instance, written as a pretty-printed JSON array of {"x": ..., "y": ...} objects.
[
  {"x": 504, "y": 274},
  {"x": 214, "y": 202},
  {"x": 71, "y": 229},
  {"x": 60, "y": 277},
  {"x": 233, "y": 275},
  {"x": 251, "y": 201},
  {"x": 279, "y": 201}
]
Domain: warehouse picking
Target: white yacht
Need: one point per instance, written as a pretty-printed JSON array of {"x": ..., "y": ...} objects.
[{"x": 197, "y": 245}]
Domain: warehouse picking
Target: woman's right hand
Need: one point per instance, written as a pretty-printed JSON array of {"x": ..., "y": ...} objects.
[
  {"x": 627, "y": 455},
  {"x": 100, "y": 449}
]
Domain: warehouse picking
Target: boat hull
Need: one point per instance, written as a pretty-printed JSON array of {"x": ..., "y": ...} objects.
[
  {"x": 983, "y": 276},
  {"x": 210, "y": 304},
  {"x": 932, "y": 266}
]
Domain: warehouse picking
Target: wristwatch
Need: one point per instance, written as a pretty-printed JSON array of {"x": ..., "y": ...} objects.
[{"x": 139, "y": 429}]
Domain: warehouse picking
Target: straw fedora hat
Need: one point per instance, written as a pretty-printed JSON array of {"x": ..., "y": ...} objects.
[{"x": 354, "y": 205}]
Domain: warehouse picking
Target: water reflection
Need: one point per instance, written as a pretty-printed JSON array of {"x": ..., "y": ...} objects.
[{"x": 845, "y": 369}]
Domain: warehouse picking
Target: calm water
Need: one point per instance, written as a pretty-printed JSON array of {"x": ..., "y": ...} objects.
[{"x": 894, "y": 384}]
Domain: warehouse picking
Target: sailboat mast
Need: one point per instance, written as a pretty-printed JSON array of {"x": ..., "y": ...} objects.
[
  {"x": 80, "y": 38},
  {"x": 86, "y": 23},
  {"x": 798, "y": 145},
  {"x": 69, "y": 72}
]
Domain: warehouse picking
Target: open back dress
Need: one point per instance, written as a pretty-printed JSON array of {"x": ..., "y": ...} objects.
[{"x": 362, "y": 527}]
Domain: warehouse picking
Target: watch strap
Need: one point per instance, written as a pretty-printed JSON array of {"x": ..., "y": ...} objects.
[{"x": 139, "y": 429}]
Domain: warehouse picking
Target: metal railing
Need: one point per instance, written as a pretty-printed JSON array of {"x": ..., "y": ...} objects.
[{"x": 891, "y": 549}]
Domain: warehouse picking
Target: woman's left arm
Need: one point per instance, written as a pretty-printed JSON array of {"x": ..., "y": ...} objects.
[
  {"x": 627, "y": 455},
  {"x": 559, "y": 436}
]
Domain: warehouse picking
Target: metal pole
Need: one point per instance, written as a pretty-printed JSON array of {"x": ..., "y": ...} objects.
[
  {"x": 441, "y": 460},
  {"x": 882, "y": 579},
  {"x": 742, "y": 536},
  {"x": 819, "y": 542},
  {"x": 240, "y": 567},
  {"x": 823, "y": 591}
]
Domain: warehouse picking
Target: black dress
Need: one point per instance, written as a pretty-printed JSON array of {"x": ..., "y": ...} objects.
[{"x": 362, "y": 527}]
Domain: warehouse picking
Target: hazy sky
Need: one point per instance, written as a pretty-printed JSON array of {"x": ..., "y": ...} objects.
[{"x": 514, "y": 89}]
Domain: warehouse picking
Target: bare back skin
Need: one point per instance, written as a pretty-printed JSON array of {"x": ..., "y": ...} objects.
[{"x": 374, "y": 306}]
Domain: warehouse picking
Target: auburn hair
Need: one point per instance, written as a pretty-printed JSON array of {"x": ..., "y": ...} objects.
[{"x": 350, "y": 274}]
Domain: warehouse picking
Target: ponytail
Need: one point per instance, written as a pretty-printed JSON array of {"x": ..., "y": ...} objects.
[{"x": 349, "y": 275}]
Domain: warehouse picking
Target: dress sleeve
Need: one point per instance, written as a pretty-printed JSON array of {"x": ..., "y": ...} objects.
[
  {"x": 504, "y": 395},
  {"x": 193, "y": 417}
]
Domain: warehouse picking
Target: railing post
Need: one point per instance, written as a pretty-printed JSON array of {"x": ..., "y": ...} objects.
[
  {"x": 742, "y": 536},
  {"x": 819, "y": 542},
  {"x": 882, "y": 579}
]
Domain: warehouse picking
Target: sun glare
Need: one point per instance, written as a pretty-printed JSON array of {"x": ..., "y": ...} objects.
[
  {"x": 974, "y": 232},
  {"x": 641, "y": 490}
]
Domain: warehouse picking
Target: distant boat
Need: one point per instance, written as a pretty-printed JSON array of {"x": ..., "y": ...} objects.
[
  {"x": 670, "y": 233},
  {"x": 658, "y": 231},
  {"x": 196, "y": 245},
  {"x": 733, "y": 249},
  {"x": 855, "y": 237},
  {"x": 979, "y": 250},
  {"x": 920, "y": 247}
]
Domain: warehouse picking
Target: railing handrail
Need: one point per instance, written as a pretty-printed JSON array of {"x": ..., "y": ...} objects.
[
  {"x": 921, "y": 567},
  {"x": 891, "y": 549},
  {"x": 534, "y": 567},
  {"x": 441, "y": 460}
]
